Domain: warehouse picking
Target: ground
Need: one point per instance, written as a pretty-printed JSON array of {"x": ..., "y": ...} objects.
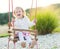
[{"x": 49, "y": 41}]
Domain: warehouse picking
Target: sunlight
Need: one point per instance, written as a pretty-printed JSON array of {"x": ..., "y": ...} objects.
[
  {"x": 44, "y": 3},
  {"x": 26, "y": 4}
]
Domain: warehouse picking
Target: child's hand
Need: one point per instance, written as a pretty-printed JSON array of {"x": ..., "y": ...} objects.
[
  {"x": 35, "y": 21},
  {"x": 9, "y": 24},
  {"x": 13, "y": 19}
]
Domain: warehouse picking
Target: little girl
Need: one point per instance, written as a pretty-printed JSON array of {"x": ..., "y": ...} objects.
[{"x": 22, "y": 22}]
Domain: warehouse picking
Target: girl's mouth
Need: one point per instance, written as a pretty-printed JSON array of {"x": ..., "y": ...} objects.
[{"x": 18, "y": 14}]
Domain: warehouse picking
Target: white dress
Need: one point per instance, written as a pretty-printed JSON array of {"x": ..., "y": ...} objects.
[{"x": 23, "y": 23}]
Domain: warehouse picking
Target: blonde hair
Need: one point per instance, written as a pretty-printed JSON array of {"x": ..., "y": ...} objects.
[{"x": 21, "y": 9}]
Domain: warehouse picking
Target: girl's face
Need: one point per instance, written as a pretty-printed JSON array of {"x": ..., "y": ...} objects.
[{"x": 19, "y": 13}]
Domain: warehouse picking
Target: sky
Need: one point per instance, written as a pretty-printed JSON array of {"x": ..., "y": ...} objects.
[{"x": 4, "y": 7}]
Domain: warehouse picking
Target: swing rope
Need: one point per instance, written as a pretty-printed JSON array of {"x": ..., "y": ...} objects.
[
  {"x": 12, "y": 12},
  {"x": 31, "y": 9},
  {"x": 9, "y": 14},
  {"x": 12, "y": 7},
  {"x": 9, "y": 22},
  {"x": 14, "y": 41},
  {"x": 35, "y": 23},
  {"x": 35, "y": 13}
]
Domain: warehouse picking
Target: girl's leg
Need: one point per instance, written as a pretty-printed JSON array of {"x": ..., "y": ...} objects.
[
  {"x": 31, "y": 41},
  {"x": 21, "y": 38}
]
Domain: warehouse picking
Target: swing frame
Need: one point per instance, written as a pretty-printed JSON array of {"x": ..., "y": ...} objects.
[{"x": 16, "y": 39}]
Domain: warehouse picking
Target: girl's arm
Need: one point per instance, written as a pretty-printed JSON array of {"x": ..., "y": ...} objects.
[
  {"x": 30, "y": 23},
  {"x": 12, "y": 22}
]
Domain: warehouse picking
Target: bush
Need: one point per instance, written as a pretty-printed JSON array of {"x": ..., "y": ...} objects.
[
  {"x": 46, "y": 22},
  {"x": 4, "y": 18}
]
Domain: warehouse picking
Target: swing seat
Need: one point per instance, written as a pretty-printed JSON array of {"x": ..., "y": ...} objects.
[{"x": 14, "y": 37}]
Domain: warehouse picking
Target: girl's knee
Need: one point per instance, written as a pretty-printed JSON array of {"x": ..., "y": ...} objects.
[{"x": 23, "y": 44}]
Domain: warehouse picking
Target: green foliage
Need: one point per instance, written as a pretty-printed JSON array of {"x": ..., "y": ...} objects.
[
  {"x": 4, "y": 18},
  {"x": 46, "y": 22}
]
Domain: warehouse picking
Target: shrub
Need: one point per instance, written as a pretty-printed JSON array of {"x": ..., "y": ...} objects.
[{"x": 46, "y": 22}]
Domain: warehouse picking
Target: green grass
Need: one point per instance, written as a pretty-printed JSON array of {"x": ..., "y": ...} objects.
[
  {"x": 57, "y": 29},
  {"x": 3, "y": 35}
]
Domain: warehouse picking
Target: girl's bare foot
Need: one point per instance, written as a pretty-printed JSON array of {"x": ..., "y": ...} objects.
[
  {"x": 23, "y": 44},
  {"x": 31, "y": 45}
]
